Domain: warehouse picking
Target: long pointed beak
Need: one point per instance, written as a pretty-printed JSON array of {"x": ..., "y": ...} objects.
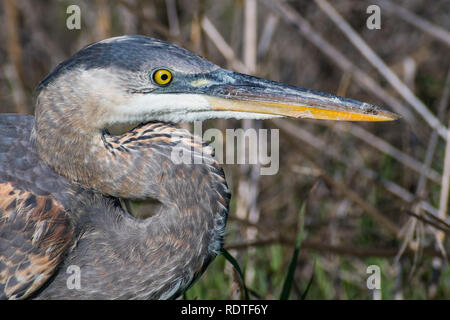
[{"x": 231, "y": 91}]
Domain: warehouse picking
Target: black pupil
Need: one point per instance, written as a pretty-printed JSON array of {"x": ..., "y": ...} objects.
[{"x": 164, "y": 76}]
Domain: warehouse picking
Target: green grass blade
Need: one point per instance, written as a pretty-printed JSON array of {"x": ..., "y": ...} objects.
[
  {"x": 236, "y": 266},
  {"x": 287, "y": 285},
  {"x": 303, "y": 297}
]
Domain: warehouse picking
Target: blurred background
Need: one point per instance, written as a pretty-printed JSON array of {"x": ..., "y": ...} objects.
[{"x": 357, "y": 194}]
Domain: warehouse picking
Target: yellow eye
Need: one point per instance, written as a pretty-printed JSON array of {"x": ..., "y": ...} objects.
[{"x": 162, "y": 77}]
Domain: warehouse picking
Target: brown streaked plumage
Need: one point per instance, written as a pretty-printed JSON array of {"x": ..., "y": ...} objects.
[
  {"x": 63, "y": 175},
  {"x": 39, "y": 232}
]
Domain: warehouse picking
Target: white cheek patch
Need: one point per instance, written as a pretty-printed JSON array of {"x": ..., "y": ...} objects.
[{"x": 174, "y": 107}]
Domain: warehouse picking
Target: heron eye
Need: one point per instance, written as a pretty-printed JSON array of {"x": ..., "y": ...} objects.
[{"x": 162, "y": 77}]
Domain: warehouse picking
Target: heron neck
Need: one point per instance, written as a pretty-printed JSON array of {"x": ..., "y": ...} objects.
[
  {"x": 187, "y": 231},
  {"x": 138, "y": 165}
]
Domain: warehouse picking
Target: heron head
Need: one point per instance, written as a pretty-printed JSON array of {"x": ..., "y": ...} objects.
[{"x": 132, "y": 79}]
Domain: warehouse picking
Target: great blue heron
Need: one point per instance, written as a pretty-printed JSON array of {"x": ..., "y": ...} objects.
[{"x": 62, "y": 173}]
